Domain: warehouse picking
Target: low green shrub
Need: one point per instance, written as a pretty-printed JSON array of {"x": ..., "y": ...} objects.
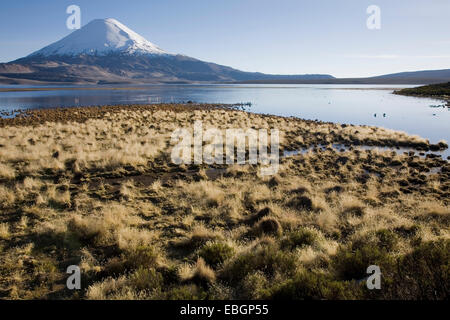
[
  {"x": 254, "y": 286},
  {"x": 146, "y": 279},
  {"x": 351, "y": 263},
  {"x": 141, "y": 256},
  {"x": 424, "y": 274},
  {"x": 299, "y": 238},
  {"x": 216, "y": 253},
  {"x": 267, "y": 258},
  {"x": 387, "y": 239},
  {"x": 312, "y": 286}
]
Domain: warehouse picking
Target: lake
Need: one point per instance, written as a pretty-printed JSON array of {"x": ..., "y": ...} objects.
[{"x": 353, "y": 104}]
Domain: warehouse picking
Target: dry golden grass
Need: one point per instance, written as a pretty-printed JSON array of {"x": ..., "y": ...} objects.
[{"x": 103, "y": 194}]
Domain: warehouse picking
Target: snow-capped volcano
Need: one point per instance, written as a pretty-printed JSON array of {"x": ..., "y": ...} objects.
[
  {"x": 106, "y": 51},
  {"x": 102, "y": 37}
]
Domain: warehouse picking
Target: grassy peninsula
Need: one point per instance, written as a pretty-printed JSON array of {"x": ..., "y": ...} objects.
[{"x": 438, "y": 91}]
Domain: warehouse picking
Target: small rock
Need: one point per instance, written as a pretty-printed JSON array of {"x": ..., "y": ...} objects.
[
  {"x": 259, "y": 215},
  {"x": 269, "y": 226},
  {"x": 301, "y": 202}
]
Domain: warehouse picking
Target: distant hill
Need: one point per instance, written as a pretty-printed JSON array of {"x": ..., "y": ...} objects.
[
  {"x": 106, "y": 51},
  {"x": 441, "y": 90},
  {"x": 414, "y": 77},
  {"x": 426, "y": 76}
]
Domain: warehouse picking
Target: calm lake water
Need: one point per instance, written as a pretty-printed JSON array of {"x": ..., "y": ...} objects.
[{"x": 355, "y": 104}]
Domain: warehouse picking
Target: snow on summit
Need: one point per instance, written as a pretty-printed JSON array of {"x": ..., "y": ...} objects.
[{"x": 101, "y": 37}]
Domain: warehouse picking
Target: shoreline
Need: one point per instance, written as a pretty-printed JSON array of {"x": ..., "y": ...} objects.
[
  {"x": 439, "y": 91},
  {"x": 375, "y": 86},
  {"x": 442, "y": 98},
  {"x": 67, "y": 88},
  {"x": 33, "y": 117},
  {"x": 95, "y": 88}
]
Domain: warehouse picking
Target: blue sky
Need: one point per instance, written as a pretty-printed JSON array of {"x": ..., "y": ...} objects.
[{"x": 283, "y": 36}]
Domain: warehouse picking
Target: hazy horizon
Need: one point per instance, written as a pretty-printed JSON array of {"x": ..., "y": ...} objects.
[{"x": 291, "y": 37}]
